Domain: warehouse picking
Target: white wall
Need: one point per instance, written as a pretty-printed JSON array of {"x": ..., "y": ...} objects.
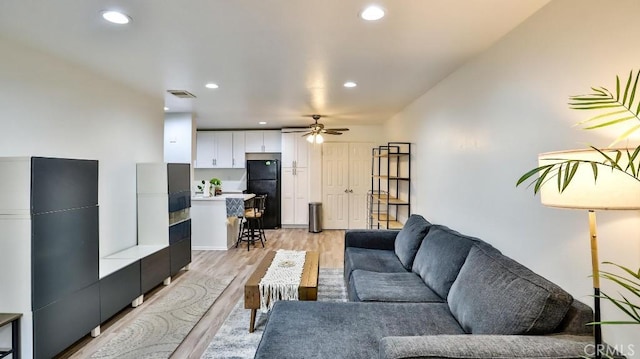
[
  {"x": 481, "y": 128},
  {"x": 49, "y": 107},
  {"x": 179, "y": 138}
]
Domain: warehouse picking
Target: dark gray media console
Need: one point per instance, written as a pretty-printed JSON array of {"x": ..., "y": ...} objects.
[{"x": 50, "y": 215}]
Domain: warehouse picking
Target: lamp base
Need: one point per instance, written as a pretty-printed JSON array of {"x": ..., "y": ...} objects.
[{"x": 597, "y": 328}]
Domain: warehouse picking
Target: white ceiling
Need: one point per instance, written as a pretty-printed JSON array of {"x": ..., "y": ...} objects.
[{"x": 274, "y": 60}]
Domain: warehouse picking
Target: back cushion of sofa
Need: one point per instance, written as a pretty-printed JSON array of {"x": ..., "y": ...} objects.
[
  {"x": 440, "y": 257},
  {"x": 494, "y": 294},
  {"x": 409, "y": 239}
]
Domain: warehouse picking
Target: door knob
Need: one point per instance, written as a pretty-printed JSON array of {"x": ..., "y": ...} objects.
[
  {"x": 350, "y": 191},
  {"x": 346, "y": 191}
]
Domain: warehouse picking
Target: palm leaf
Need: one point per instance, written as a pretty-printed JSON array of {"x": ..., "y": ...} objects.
[
  {"x": 625, "y": 134},
  {"x": 601, "y": 116},
  {"x": 602, "y": 99},
  {"x": 631, "y": 284}
]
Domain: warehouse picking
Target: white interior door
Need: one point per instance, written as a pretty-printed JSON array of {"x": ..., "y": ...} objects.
[
  {"x": 359, "y": 183},
  {"x": 335, "y": 185}
]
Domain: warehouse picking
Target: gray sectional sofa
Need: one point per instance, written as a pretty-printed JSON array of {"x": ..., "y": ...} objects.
[{"x": 430, "y": 292}]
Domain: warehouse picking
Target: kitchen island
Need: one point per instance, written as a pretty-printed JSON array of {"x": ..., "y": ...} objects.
[{"x": 211, "y": 229}]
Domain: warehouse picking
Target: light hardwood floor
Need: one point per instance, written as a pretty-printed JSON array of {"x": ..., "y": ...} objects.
[{"x": 238, "y": 262}]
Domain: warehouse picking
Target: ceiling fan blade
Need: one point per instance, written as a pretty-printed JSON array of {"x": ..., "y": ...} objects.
[
  {"x": 337, "y": 129},
  {"x": 307, "y": 134},
  {"x": 330, "y": 132},
  {"x": 300, "y": 130}
]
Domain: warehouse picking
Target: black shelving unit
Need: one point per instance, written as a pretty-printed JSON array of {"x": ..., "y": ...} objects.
[{"x": 390, "y": 195}]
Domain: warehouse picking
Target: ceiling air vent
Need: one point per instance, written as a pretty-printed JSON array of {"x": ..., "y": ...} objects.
[{"x": 181, "y": 93}]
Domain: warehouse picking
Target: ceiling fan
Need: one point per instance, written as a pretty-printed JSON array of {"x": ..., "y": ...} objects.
[{"x": 316, "y": 130}]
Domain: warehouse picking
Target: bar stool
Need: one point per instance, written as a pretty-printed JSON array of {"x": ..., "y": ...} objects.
[{"x": 251, "y": 226}]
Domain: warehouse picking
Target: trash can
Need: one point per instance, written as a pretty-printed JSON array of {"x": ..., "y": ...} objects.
[{"x": 315, "y": 217}]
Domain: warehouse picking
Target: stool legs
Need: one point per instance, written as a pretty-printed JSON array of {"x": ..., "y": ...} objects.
[{"x": 251, "y": 230}]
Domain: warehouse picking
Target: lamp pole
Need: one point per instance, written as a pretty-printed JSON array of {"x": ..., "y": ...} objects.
[{"x": 595, "y": 265}]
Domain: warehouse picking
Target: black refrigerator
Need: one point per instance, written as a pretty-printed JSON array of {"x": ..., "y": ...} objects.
[{"x": 263, "y": 177}]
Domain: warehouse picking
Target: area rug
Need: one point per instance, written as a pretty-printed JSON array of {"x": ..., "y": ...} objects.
[
  {"x": 162, "y": 326},
  {"x": 233, "y": 339}
]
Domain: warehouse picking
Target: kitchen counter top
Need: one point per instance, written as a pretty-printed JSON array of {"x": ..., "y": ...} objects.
[{"x": 224, "y": 196}]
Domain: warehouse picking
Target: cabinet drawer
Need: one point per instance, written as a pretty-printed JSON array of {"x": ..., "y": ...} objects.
[
  {"x": 63, "y": 322},
  {"x": 64, "y": 254},
  {"x": 180, "y": 231},
  {"x": 179, "y": 201},
  {"x": 118, "y": 290},
  {"x": 58, "y": 184},
  {"x": 178, "y": 177},
  {"x": 154, "y": 269},
  {"x": 180, "y": 255}
]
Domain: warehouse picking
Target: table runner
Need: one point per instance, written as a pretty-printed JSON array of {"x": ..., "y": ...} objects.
[{"x": 282, "y": 278}]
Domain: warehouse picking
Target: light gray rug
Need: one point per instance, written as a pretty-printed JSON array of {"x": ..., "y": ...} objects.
[
  {"x": 233, "y": 339},
  {"x": 160, "y": 327}
]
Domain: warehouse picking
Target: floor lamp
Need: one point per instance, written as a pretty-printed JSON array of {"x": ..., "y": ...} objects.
[{"x": 613, "y": 190}]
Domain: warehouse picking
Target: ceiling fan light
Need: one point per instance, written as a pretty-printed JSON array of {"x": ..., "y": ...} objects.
[
  {"x": 319, "y": 138},
  {"x": 310, "y": 138}
]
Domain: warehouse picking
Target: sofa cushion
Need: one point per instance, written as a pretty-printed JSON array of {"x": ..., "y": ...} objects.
[
  {"x": 374, "y": 260},
  {"x": 391, "y": 287},
  {"x": 409, "y": 239},
  {"x": 347, "y": 330},
  {"x": 440, "y": 257},
  {"x": 494, "y": 294}
]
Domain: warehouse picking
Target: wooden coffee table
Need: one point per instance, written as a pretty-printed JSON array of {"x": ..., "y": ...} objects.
[{"x": 307, "y": 290}]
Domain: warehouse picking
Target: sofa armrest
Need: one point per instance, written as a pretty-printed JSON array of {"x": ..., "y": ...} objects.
[
  {"x": 370, "y": 238},
  {"x": 489, "y": 346}
]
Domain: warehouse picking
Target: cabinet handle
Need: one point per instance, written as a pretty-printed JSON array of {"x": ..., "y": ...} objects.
[
  {"x": 294, "y": 171},
  {"x": 213, "y": 161},
  {"x": 233, "y": 161},
  {"x": 295, "y": 164},
  {"x": 262, "y": 148},
  {"x": 350, "y": 191},
  {"x": 346, "y": 191}
]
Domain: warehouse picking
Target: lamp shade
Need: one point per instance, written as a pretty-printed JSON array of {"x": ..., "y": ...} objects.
[{"x": 613, "y": 189}]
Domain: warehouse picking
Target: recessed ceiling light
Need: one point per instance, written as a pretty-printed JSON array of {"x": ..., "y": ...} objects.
[
  {"x": 262, "y": 123},
  {"x": 166, "y": 108},
  {"x": 211, "y": 86},
  {"x": 116, "y": 17},
  {"x": 372, "y": 13},
  {"x": 350, "y": 84}
]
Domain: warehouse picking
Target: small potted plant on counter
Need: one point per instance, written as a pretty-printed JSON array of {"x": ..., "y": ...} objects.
[
  {"x": 217, "y": 185},
  {"x": 204, "y": 187}
]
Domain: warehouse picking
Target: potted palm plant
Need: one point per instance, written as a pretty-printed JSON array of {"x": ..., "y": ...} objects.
[
  {"x": 612, "y": 108},
  {"x": 217, "y": 185}
]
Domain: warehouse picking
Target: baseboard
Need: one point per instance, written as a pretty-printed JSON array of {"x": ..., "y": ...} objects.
[{"x": 208, "y": 248}]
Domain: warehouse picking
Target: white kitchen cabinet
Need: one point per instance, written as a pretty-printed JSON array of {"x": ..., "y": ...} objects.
[
  {"x": 295, "y": 150},
  {"x": 238, "y": 160},
  {"x": 263, "y": 141},
  {"x": 295, "y": 196},
  {"x": 214, "y": 149}
]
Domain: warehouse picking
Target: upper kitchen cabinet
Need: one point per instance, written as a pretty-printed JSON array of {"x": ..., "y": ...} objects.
[
  {"x": 295, "y": 150},
  {"x": 238, "y": 160},
  {"x": 214, "y": 149},
  {"x": 263, "y": 141}
]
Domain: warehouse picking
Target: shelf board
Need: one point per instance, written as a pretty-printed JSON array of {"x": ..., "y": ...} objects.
[
  {"x": 387, "y": 222},
  {"x": 384, "y": 198},
  {"x": 391, "y": 177},
  {"x": 393, "y": 154}
]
